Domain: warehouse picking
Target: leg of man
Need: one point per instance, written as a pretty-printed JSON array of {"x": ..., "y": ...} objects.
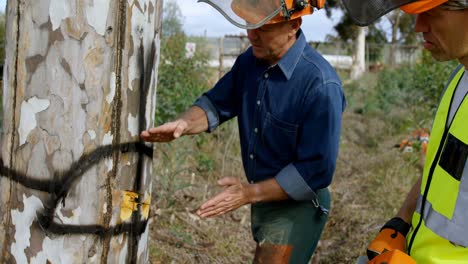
[{"x": 288, "y": 231}]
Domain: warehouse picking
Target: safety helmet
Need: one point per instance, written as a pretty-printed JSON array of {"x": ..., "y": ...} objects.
[
  {"x": 421, "y": 6},
  {"x": 250, "y": 14},
  {"x": 364, "y": 12}
]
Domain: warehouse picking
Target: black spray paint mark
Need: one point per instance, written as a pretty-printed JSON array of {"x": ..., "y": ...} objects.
[{"x": 61, "y": 184}]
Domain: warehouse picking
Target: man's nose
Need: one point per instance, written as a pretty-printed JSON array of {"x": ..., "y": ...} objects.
[{"x": 421, "y": 24}]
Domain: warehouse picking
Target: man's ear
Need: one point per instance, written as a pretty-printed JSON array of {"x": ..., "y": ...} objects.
[
  {"x": 298, "y": 23},
  {"x": 295, "y": 25}
]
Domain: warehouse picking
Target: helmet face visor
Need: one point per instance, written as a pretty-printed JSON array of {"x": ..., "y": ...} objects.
[
  {"x": 364, "y": 12},
  {"x": 247, "y": 14}
]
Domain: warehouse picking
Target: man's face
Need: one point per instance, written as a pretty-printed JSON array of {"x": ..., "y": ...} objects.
[
  {"x": 270, "y": 42},
  {"x": 445, "y": 33}
]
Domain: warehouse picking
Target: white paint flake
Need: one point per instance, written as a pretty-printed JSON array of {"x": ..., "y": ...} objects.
[
  {"x": 73, "y": 220},
  {"x": 92, "y": 134},
  {"x": 53, "y": 251},
  {"x": 123, "y": 252},
  {"x": 58, "y": 11},
  {"x": 28, "y": 121},
  {"x": 110, "y": 164},
  {"x": 96, "y": 13},
  {"x": 111, "y": 95},
  {"x": 138, "y": 22},
  {"x": 107, "y": 140},
  {"x": 22, "y": 222},
  {"x": 132, "y": 125},
  {"x": 143, "y": 245}
]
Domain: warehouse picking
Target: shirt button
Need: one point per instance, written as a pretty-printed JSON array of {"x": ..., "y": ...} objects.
[
  {"x": 266, "y": 75},
  {"x": 258, "y": 102},
  {"x": 252, "y": 156},
  {"x": 256, "y": 130}
]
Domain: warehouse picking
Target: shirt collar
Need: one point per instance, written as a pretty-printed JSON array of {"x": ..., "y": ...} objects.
[{"x": 288, "y": 63}]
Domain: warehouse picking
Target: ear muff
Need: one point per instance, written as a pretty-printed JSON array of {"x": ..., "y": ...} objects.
[{"x": 300, "y": 4}]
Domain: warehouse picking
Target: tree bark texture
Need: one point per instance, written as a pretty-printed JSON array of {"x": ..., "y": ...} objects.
[{"x": 79, "y": 86}]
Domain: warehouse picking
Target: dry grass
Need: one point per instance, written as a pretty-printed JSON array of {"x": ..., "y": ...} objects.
[{"x": 370, "y": 183}]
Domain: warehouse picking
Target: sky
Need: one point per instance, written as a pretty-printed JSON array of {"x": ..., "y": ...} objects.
[{"x": 200, "y": 19}]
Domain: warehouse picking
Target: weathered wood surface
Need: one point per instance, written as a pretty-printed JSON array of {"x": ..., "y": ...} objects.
[{"x": 79, "y": 85}]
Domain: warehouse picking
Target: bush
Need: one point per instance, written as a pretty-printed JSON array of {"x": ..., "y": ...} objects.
[
  {"x": 407, "y": 97},
  {"x": 419, "y": 86},
  {"x": 181, "y": 79}
]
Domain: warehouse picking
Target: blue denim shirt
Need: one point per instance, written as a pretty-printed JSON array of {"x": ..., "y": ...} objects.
[{"x": 289, "y": 117}]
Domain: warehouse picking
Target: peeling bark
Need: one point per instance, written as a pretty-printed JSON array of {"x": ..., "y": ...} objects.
[{"x": 79, "y": 86}]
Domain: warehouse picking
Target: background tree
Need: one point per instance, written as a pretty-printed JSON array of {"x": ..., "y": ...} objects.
[{"x": 400, "y": 30}]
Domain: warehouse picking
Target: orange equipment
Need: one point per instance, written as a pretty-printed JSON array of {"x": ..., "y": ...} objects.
[
  {"x": 421, "y": 6},
  {"x": 420, "y": 139},
  {"x": 391, "y": 237},
  {"x": 392, "y": 257},
  {"x": 296, "y": 8},
  {"x": 290, "y": 9}
]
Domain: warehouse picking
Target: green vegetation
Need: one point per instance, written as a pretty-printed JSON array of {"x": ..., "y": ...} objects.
[
  {"x": 181, "y": 79},
  {"x": 405, "y": 96}
]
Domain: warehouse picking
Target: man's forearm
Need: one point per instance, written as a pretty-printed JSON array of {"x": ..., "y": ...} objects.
[
  {"x": 409, "y": 206},
  {"x": 196, "y": 119},
  {"x": 266, "y": 191}
]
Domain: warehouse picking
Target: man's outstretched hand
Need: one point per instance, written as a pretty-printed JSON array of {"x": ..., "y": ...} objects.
[
  {"x": 237, "y": 194},
  {"x": 165, "y": 132},
  {"x": 191, "y": 122},
  {"x": 234, "y": 195}
]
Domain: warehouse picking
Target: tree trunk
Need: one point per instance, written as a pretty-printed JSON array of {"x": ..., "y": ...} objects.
[
  {"x": 395, "y": 21},
  {"x": 359, "y": 64},
  {"x": 79, "y": 86}
]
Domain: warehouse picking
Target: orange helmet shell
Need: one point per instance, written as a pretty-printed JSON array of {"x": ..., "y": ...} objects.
[
  {"x": 250, "y": 11},
  {"x": 421, "y": 6},
  {"x": 306, "y": 11}
]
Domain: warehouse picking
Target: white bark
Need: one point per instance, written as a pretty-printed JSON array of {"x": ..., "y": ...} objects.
[
  {"x": 359, "y": 65},
  {"x": 79, "y": 86}
]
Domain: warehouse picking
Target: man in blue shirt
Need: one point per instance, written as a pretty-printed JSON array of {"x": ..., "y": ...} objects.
[{"x": 288, "y": 101}]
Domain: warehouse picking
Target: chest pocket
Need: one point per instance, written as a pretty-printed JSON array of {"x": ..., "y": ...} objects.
[
  {"x": 454, "y": 157},
  {"x": 279, "y": 138}
]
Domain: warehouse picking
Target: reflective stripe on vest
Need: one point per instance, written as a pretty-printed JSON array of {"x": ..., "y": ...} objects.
[{"x": 444, "y": 227}]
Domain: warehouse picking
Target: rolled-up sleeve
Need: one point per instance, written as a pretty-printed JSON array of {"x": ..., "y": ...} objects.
[
  {"x": 317, "y": 148},
  {"x": 211, "y": 112}
]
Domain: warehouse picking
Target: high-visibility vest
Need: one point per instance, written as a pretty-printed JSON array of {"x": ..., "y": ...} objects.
[{"x": 441, "y": 235}]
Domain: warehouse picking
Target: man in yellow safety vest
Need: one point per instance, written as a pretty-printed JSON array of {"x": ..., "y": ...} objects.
[{"x": 432, "y": 224}]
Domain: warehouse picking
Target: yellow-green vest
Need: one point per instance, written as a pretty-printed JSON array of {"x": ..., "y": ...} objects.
[{"x": 441, "y": 236}]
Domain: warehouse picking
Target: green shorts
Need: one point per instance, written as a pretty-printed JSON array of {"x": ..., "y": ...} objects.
[{"x": 292, "y": 223}]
